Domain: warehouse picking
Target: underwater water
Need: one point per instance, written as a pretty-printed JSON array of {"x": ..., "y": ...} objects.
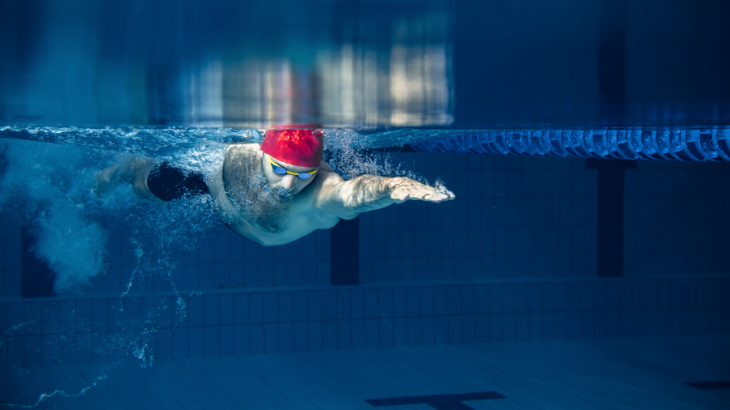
[
  {"x": 140, "y": 297},
  {"x": 582, "y": 263}
]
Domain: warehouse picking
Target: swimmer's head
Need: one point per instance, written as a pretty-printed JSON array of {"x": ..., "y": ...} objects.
[
  {"x": 284, "y": 179},
  {"x": 290, "y": 161},
  {"x": 302, "y": 148}
]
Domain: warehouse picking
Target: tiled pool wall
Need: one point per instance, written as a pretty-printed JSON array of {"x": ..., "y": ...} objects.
[{"x": 515, "y": 257}]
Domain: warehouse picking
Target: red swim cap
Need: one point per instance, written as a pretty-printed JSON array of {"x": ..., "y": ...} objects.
[{"x": 297, "y": 147}]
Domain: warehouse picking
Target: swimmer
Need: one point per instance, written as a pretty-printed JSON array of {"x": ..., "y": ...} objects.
[{"x": 273, "y": 193}]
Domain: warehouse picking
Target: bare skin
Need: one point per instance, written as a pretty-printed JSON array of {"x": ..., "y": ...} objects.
[
  {"x": 272, "y": 209},
  {"x": 134, "y": 171}
]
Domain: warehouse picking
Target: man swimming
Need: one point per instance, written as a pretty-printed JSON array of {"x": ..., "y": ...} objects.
[{"x": 273, "y": 193}]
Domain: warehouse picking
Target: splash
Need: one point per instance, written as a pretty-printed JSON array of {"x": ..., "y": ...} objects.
[
  {"x": 440, "y": 187},
  {"x": 346, "y": 155},
  {"x": 49, "y": 186},
  {"x": 349, "y": 155},
  {"x": 160, "y": 143}
]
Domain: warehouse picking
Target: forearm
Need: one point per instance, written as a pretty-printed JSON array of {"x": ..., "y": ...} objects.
[
  {"x": 366, "y": 193},
  {"x": 348, "y": 199},
  {"x": 370, "y": 192},
  {"x": 134, "y": 172}
]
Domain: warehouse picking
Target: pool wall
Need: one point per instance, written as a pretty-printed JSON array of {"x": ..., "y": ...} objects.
[{"x": 514, "y": 257}]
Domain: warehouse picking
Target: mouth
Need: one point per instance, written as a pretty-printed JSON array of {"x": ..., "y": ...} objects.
[{"x": 281, "y": 195}]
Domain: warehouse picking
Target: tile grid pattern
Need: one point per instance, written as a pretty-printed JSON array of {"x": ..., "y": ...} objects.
[
  {"x": 676, "y": 218},
  {"x": 513, "y": 217},
  {"x": 219, "y": 324},
  {"x": 223, "y": 260}
]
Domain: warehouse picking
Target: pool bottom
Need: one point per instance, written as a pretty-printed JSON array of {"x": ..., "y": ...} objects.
[{"x": 636, "y": 373}]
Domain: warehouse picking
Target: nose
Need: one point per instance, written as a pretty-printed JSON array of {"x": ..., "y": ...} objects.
[{"x": 287, "y": 182}]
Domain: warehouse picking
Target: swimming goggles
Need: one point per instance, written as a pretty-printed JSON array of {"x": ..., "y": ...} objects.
[{"x": 279, "y": 170}]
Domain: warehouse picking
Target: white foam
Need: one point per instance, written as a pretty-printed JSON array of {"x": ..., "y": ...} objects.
[
  {"x": 349, "y": 158},
  {"x": 50, "y": 186}
]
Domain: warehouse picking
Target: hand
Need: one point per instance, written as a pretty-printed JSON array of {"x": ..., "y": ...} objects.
[
  {"x": 133, "y": 171},
  {"x": 106, "y": 181},
  {"x": 403, "y": 189}
]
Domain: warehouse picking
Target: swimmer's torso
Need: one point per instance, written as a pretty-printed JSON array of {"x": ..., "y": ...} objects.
[{"x": 246, "y": 205}]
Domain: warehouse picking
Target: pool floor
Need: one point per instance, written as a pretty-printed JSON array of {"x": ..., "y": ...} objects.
[{"x": 639, "y": 373}]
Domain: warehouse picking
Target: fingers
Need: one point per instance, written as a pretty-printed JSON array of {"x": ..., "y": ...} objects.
[
  {"x": 441, "y": 197},
  {"x": 448, "y": 195},
  {"x": 104, "y": 182},
  {"x": 403, "y": 189}
]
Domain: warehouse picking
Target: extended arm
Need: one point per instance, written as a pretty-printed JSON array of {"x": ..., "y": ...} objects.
[
  {"x": 348, "y": 199},
  {"x": 134, "y": 171}
]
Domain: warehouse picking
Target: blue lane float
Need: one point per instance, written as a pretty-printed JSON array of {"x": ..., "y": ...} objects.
[{"x": 697, "y": 145}]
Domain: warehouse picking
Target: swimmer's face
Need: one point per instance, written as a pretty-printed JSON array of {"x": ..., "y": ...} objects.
[{"x": 284, "y": 187}]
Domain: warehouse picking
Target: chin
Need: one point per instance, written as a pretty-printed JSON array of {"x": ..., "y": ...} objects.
[{"x": 281, "y": 199}]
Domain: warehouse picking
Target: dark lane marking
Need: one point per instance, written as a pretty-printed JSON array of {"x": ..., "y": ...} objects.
[
  {"x": 36, "y": 277},
  {"x": 611, "y": 60},
  {"x": 722, "y": 384},
  {"x": 438, "y": 402},
  {"x": 345, "y": 253},
  {"x": 610, "y": 214}
]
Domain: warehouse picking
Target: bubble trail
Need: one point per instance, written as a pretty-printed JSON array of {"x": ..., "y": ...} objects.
[{"x": 45, "y": 396}]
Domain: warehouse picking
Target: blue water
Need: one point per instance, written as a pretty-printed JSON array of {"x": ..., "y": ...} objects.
[{"x": 556, "y": 279}]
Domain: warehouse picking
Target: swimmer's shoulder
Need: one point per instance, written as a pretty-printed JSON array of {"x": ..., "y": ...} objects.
[
  {"x": 243, "y": 148},
  {"x": 240, "y": 155},
  {"x": 327, "y": 179},
  {"x": 315, "y": 193},
  {"x": 308, "y": 203}
]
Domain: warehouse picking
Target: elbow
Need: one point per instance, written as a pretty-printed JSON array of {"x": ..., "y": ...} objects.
[
  {"x": 349, "y": 209},
  {"x": 348, "y": 216},
  {"x": 347, "y": 212}
]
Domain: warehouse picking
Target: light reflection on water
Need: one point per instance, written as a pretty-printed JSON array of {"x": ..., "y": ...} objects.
[
  {"x": 162, "y": 64},
  {"x": 409, "y": 86},
  {"x": 524, "y": 64}
]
